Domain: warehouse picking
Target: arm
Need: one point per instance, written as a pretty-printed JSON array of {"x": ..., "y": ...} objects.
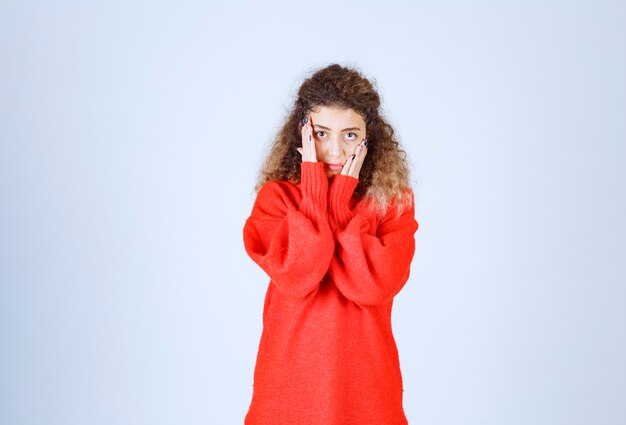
[
  {"x": 292, "y": 244},
  {"x": 369, "y": 269}
]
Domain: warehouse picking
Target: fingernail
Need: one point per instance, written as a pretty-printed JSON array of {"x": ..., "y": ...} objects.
[
  {"x": 365, "y": 142},
  {"x": 353, "y": 155}
]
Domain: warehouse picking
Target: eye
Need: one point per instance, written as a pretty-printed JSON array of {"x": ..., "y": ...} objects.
[
  {"x": 354, "y": 136},
  {"x": 320, "y": 131}
]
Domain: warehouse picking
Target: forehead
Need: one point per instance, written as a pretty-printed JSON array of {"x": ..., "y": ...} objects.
[{"x": 337, "y": 117}]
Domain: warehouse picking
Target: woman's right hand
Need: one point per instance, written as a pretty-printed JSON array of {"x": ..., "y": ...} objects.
[{"x": 308, "y": 142}]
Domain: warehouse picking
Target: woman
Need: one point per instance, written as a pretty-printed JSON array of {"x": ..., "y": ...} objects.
[{"x": 333, "y": 226}]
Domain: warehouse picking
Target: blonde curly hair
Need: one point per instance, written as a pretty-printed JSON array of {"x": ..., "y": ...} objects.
[{"x": 384, "y": 175}]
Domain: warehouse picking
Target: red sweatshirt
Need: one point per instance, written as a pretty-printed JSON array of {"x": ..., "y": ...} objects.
[{"x": 327, "y": 354}]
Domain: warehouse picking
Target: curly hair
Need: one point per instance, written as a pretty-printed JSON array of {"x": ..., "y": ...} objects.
[{"x": 384, "y": 175}]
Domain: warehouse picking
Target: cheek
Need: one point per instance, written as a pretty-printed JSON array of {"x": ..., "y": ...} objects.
[
  {"x": 319, "y": 149},
  {"x": 320, "y": 146},
  {"x": 349, "y": 147}
]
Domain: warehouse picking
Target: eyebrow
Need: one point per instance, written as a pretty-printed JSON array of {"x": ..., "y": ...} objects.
[{"x": 345, "y": 129}]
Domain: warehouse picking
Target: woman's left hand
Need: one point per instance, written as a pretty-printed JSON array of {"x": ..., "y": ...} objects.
[{"x": 352, "y": 167}]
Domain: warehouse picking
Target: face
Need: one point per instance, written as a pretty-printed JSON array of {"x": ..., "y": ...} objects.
[{"x": 337, "y": 133}]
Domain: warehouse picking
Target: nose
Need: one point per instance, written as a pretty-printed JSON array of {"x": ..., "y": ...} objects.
[{"x": 334, "y": 148}]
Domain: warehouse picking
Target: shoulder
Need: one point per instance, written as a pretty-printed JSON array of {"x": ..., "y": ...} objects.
[
  {"x": 277, "y": 196},
  {"x": 397, "y": 213},
  {"x": 402, "y": 203},
  {"x": 277, "y": 188}
]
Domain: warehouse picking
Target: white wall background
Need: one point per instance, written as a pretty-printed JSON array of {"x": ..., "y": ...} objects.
[{"x": 131, "y": 135}]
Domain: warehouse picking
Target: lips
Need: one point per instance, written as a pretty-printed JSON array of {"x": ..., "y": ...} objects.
[{"x": 333, "y": 167}]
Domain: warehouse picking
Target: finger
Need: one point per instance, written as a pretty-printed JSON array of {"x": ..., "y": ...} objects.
[
  {"x": 304, "y": 150},
  {"x": 346, "y": 167},
  {"x": 312, "y": 150},
  {"x": 354, "y": 168},
  {"x": 360, "y": 153},
  {"x": 303, "y": 133},
  {"x": 349, "y": 165}
]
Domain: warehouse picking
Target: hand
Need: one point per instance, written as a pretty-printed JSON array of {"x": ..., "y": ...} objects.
[
  {"x": 352, "y": 167},
  {"x": 308, "y": 142}
]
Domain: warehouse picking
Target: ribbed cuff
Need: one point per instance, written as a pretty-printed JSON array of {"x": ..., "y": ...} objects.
[
  {"x": 314, "y": 188},
  {"x": 341, "y": 192}
]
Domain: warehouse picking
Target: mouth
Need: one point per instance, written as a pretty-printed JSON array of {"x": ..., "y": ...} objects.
[{"x": 333, "y": 167}]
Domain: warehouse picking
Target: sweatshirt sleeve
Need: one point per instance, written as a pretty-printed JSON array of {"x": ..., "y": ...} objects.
[
  {"x": 292, "y": 243},
  {"x": 369, "y": 269}
]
